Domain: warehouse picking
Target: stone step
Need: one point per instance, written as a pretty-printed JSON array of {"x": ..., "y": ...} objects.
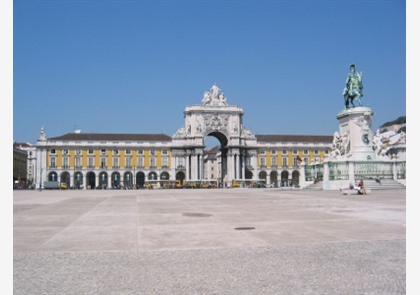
[
  {"x": 370, "y": 184},
  {"x": 383, "y": 184}
]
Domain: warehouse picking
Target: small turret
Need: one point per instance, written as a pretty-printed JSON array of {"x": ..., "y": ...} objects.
[{"x": 42, "y": 135}]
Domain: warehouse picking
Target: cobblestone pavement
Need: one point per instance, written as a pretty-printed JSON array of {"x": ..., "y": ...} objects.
[{"x": 227, "y": 241}]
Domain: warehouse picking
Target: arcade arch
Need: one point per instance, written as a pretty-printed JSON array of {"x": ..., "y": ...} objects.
[
  {"x": 78, "y": 179},
  {"x": 65, "y": 178},
  {"x": 273, "y": 178},
  {"x": 115, "y": 180},
  {"x": 284, "y": 178},
  {"x": 295, "y": 177},
  {"x": 152, "y": 176},
  {"x": 180, "y": 176},
  {"x": 52, "y": 176},
  {"x": 91, "y": 180},
  {"x": 103, "y": 180},
  {"x": 140, "y": 179},
  {"x": 262, "y": 175},
  {"x": 128, "y": 180}
]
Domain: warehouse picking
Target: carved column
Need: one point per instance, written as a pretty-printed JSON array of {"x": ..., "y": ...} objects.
[
  {"x": 243, "y": 163},
  {"x": 255, "y": 167},
  {"x": 187, "y": 167},
  {"x": 193, "y": 166},
  {"x": 84, "y": 181},
  {"x": 201, "y": 176},
  {"x": 237, "y": 169},
  {"x": 231, "y": 166}
]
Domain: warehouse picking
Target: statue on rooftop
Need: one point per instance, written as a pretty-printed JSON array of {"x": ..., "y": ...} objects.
[
  {"x": 354, "y": 87},
  {"x": 214, "y": 97}
]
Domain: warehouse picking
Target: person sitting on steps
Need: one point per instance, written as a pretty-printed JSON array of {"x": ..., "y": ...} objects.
[{"x": 361, "y": 188}]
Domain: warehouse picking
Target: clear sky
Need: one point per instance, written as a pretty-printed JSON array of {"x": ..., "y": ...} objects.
[{"x": 132, "y": 66}]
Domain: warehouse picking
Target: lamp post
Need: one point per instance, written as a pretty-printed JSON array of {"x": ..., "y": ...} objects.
[
  {"x": 134, "y": 177},
  {"x": 133, "y": 182},
  {"x": 74, "y": 173},
  {"x": 40, "y": 179},
  {"x": 40, "y": 170},
  {"x": 33, "y": 169}
]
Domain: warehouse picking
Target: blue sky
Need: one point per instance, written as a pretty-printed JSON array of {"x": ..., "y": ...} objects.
[{"x": 133, "y": 66}]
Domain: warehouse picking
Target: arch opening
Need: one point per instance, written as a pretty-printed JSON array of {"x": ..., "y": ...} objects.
[{"x": 215, "y": 157}]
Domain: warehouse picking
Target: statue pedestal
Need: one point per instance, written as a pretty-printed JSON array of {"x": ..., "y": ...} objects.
[{"x": 355, "y": 124}]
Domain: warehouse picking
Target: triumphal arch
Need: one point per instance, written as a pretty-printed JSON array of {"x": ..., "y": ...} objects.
[{"x": 215, "y": 117}]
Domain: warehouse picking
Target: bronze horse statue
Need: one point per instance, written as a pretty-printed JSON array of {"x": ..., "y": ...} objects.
[{"x": 354, "y": 87}]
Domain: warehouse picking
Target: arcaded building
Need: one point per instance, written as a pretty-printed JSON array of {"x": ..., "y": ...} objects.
[{"x": 104, "y": 160}]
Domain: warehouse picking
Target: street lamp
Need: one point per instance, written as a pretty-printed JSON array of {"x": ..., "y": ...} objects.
[
  {"x": 33, "y": 170},
  {"x": 40, "y": 179},
  {"x": 134, "y": 177}
]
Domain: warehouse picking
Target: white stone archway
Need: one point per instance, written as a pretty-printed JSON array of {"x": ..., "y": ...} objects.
[{"x": 214, "y": 117}]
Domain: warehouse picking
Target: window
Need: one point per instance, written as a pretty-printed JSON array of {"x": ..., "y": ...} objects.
[
  {"x": 77, "y": 162},
  {"x": 103, "y": 152},
  {"x": 52, "y": 151},
  {"x": 140, "y": 152},
  {"x": 115, "y": 152},
  {"x": 180, "y": 161},
  {"x": 128, "y": 162},
  {"x": 262, "y": 152},
  {"x": 273, "y": 160},
  {"x": 284, "y": 161},
  {"x": 52, "y": 161},
  {"x": 65, "y": 162},
  {"x": 295, "y": 152},
  {"x": 140, "y": 162},
  {"x": 90, "y": 162},
  {"x": 295, "y": 161},
  {"x": 284, "y": 152},
  {"x": 65, "y": 152},
  {"x": 164, "y": 152},
  {"x": 153, "y": 162},
  {"x": 165, "y": 162},
  {"x": 78, "y": 151},
  {"x": 128, "y": 152},
  {"x": 103, "y": 162},
  {"x": 316, "y": 152},
  {"x": 90, "y": 151},
  {"x": 152, "y": 152},
  {"x": 263, "y": 163},
  {"x": 273, "y": 152},
  {"x": 248, "y": 161},
  {"x": 305, "y": 152},
  {"x": 115, "y": 162}
]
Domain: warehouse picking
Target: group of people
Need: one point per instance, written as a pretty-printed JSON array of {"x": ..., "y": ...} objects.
[{"x": 360, "y": 187}]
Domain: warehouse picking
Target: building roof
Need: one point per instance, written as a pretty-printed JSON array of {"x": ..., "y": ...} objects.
[
  {"x": 22, "y": 144},
  {"x": 112, "y": 137},
  {"x": 294, "y": 138},
  {"x": 163, "y": 137}
]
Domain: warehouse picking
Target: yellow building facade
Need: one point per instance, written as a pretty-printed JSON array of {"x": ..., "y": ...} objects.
[
  {"x": 133, "y": 161},
  {"x": 104, "y": 160}
]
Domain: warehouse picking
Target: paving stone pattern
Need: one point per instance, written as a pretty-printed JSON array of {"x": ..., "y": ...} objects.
[{"x": 188, "y": 242}]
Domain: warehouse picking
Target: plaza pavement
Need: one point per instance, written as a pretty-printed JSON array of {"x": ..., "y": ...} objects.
[{"x": 218, "y": 241}]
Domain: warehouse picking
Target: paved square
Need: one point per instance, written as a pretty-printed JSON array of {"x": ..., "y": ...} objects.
[{"x": 221, "y": 241}]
